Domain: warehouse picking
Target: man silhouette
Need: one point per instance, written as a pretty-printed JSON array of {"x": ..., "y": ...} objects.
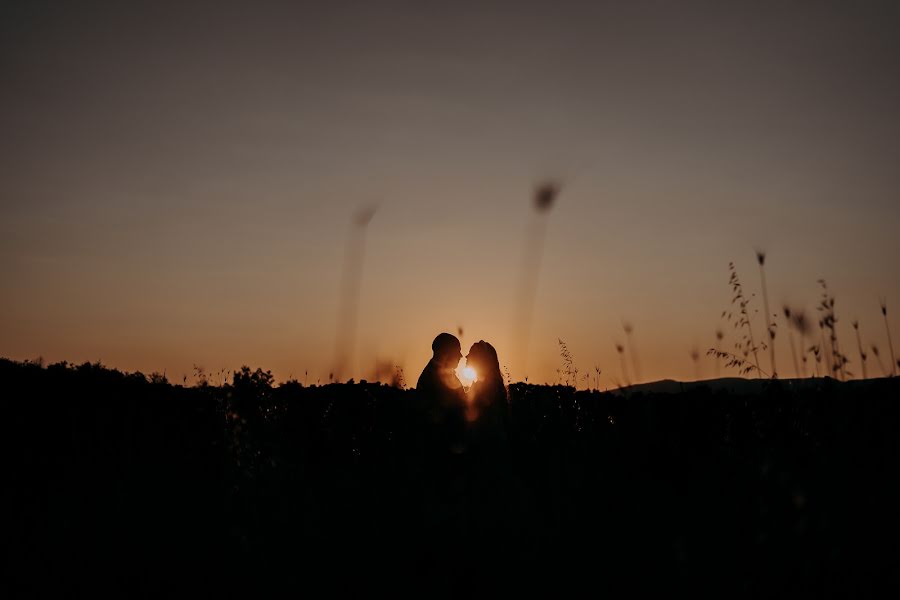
[
  {"x": 440, "y": 403},
  {"x": 441, "y": 395},
  {"x": 438, "y": 380}
]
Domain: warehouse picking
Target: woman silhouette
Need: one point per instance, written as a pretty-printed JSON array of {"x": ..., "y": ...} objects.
[
  {"x": 493, "y": 490},
  {"x": 487, "y": 401}
]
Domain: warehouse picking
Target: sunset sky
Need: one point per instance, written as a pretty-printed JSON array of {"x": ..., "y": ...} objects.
[{"x": 177, "y": 184}]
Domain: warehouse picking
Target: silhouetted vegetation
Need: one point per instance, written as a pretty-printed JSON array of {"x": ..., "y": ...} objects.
[
  {"x": 118, "y": 481},
  {"x": 828, "y": 349}
]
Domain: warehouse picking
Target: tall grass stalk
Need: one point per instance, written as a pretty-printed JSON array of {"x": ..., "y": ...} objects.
[
  {"x": 801, "y": 324},
  {"x": 829, "y": 321},
  {"x": 770, "y": 324},
  {"x": 544, "y": 198},
  {"x": 877, "y": 355},
  {"x": 862, "y": 354},
  {"x": 629, "y": 341},
  {"x": 351, "y": 282},
  {"x": 731, "y": 360},
  {"x": 621, "y": 350},
  {"x": 695, "y": 357},
  {"x": 719, "y": 336},
  {"x": 743, "y": 319},
  {"x": 817, "y": 357},
  {"x": 569, "y": 367},
  {"x": 790, "y": 330},
  {"x": 823, "y": 346},
  {"x": 890, "y": 342}
]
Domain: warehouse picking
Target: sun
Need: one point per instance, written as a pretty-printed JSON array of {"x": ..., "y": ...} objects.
[{"x": 468, "y": 376}]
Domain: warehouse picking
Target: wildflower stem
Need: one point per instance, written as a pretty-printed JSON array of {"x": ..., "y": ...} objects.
[
  {"x": 862, "y": 355},
  {"x": 770, "y": 329},
  {"x": 890, "y": 342}
]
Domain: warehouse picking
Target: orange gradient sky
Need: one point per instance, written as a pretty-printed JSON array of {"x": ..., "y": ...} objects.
[{"x": 177, "y": 185}]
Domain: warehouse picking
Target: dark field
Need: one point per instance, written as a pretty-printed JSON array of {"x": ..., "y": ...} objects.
[{"x": 114, "y": 483}]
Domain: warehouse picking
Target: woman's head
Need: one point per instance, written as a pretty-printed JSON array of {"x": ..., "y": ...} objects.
[{"x": 483, "y": 358}]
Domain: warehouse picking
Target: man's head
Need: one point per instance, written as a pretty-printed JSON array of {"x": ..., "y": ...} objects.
[{"x": 447, "y": 350}]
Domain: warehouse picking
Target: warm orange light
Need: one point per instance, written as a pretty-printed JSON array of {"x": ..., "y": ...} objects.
[{"x": 468, "y": 376}]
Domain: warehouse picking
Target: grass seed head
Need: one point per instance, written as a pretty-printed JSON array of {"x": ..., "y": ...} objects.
[{"x": 545, "y": 196}]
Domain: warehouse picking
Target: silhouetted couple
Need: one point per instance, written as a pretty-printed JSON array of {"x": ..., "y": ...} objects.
[
  {"x": 469, "y": 472},
  {"x": 464, "y": 417}
]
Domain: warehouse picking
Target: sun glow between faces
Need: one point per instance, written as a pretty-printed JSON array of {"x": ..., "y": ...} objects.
[{"x": 467, "y": 376}]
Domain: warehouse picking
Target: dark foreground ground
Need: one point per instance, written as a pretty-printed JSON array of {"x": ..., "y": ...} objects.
[{"x": 113, "y": 483}]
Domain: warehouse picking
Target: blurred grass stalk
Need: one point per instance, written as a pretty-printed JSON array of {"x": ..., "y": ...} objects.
[
  {"x": 890, "y": 341},
  {"x": 545, "y": 194},
  {"x": 351, "y": 284}
]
